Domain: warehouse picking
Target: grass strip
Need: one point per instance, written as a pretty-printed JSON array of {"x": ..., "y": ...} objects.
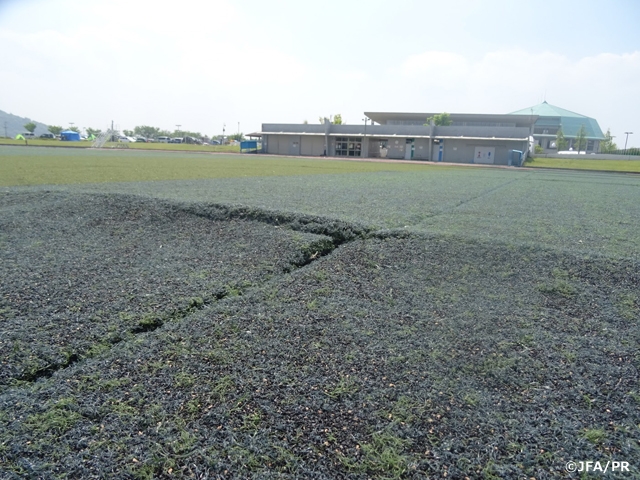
[{"x": 622, "y": 165}]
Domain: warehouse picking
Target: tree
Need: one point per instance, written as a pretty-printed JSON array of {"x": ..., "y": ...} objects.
[
  {"x": 561, "y": 142},
  {"x": 55, "y": 129},
  {"x": 581, "y": 139},
  {"x": 128, "y": 133},
  {"x": 607, "y": 145},
  {"x": 147, "y": 131},
  {"x": 237, "y": 137},
  {"x": 74, "y": 129},
  {"x": 30, "y": 127},
  {"x": 440, "y": 120},
  {"x": 93, "y": 131},
  {"x": 334, "y": 119}
]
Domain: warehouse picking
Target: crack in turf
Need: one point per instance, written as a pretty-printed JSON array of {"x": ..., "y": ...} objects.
[
  {"x": 145, "y": 325},
  {"x": 338, "y": 231}
]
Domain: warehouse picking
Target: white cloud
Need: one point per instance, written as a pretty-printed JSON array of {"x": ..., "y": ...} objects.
[{"x": 437, "y": 69}]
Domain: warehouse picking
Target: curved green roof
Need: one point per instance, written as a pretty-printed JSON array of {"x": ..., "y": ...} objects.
[{"x": 569, "y": 121}]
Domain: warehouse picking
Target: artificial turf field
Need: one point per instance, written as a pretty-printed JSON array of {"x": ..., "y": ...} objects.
[{"x": 197, "y": 316}]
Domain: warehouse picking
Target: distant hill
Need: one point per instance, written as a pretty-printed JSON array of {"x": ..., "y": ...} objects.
[{"x": 15, "y": 125}]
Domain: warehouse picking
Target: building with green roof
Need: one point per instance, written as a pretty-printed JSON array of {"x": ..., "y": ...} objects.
[{"x": 552, "y": 118}]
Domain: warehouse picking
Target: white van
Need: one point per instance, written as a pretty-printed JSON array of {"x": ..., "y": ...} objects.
[{"x": 163, "y": 139}]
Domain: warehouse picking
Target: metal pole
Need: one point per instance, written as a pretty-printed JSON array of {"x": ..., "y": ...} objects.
[
  {"x": 364, "y": 142},
  {"x": 626, "y": 140}
]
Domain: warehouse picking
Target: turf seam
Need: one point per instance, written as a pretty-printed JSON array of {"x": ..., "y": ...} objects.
[{"x": 482, "y": 194}]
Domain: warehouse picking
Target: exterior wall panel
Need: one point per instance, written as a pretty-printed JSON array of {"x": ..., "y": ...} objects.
[
  {"x": 396, "y": 148},
  {"x": 294, "y": 144},
  {"x": 312, "y": 145},
  {"x": 421, "y": 149}
]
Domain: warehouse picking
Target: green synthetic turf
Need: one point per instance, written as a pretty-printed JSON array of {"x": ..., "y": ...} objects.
[{"x": 56, "y": 166}]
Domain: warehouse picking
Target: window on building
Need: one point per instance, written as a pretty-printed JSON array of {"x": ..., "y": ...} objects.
[{"x": 348, "y": 146}]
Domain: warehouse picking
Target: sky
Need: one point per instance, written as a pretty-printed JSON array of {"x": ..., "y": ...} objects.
[{"x": 235, "y": 64}]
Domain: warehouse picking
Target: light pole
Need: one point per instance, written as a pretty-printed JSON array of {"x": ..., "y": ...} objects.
[
  {"x": 626, "y": 140},
  {"x": 238, "y": 131},
  {"x": 365, "y": 137},
  {"x": 224, "y": 125}
]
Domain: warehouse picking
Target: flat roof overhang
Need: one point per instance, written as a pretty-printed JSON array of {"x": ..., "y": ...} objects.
[
  {"x": 395, "y": 135},
  {"x": 550, "y": 135},
  {"x": 526, "y": 139},
  {"x": 383, "y": 117}
]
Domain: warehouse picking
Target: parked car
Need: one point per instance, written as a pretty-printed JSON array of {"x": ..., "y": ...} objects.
[
  {"x": 141, "y": 140},
  {"x": 176, "y": 140},
  {"x": 192, "y": 140},
  {"x": 48, "y": 135},
  {"x": 214, "y": 142},
  {"x": 164, "y": 139},
  {"x": 28, "y": 135},
  {"x": 125, "y": 139}
]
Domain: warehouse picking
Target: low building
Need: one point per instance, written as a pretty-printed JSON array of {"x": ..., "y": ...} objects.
[
  {"x": 471, "y": 138},
  {"x": 552, "y": 118}
]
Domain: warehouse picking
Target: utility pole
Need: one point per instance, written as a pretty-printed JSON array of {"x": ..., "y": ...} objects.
[
  {"x": 5, "y": 129},
  {"x": 626, "y": 140}
]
